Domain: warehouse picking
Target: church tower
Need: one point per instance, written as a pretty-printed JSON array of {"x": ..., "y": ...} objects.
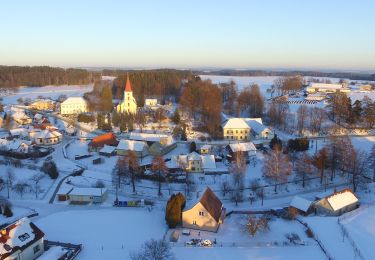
[{"x": 128, "y": 105}]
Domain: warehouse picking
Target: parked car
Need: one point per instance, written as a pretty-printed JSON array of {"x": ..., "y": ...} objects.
[
  {"x": 186, "y": 232},
  {"x": 206, "y": 243}
]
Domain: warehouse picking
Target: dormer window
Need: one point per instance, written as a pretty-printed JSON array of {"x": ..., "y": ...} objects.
[{"x": 23, "y": 237}]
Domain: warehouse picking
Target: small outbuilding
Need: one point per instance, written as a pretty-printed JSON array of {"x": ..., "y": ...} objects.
[
  {"x": 88, "y": 195},
  {"x": 337, "y": 203},
  {"x": 303, "y": 206},
  {"x": 108, "y": 150},
  {"x": 106, "y": 139}
]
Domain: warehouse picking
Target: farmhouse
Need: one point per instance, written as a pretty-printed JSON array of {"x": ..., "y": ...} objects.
[
  {"x": 21, "y": 240},
  {"x": 337, "y": 203},
  {"x": 236, "y": 129},
  {"x": 139, "y": 147},
  {"x": 106, "y": 139},
  {"x": 327, "y": 88},
  {"x": 73, "y": 105},
  {"x": 19, "y": 132},
  {"x": 87, "y": 195},
  {"x": 15, "y": 145},
  {"x": 206, "y": 215},
  {"x": 129, "y": 104}
]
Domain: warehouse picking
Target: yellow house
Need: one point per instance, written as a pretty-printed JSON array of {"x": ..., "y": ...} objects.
[
  {"x": 206, "y": 215},
  {"x": 43, "y": 104},
  {"x": 236, "y": 129},
  {"x": 205, "y": 149}
]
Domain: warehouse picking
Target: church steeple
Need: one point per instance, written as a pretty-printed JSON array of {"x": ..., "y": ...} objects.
[{"x": 128, "y": 87}]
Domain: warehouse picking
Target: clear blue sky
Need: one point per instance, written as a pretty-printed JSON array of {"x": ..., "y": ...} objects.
[{"x": 189, "y": 34}]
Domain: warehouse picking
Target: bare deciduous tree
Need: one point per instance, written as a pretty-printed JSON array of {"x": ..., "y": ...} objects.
[
  {"x": 237, "y": 171},
  {"x": 158, "y": 166},
  {"x": 276, "y": 166},
  {"x": 303, "y": 167},
  {"x": 302, "y": 114},
  {"x": 153, "y": 250}
]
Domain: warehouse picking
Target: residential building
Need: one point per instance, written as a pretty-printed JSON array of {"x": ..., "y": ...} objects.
[
  {"x": 22, "y": 240},
  {"x": 106, "y": 139},
  {"x": 205, "y": 149},
  {"x": 46, "y": 137},
  {"x": 73, "y": 105},
  {"x": 337, "y": 203},
  {"x": 140, "y": 148},
  {"x": 129, "y": 104},
  {"x": 327, "y": 88},
  {"x": 206, "y": 215},
  {"x": 43, "y": 104},
  {"x": 236, "y": 129},
  {"x": 107, "y": 150},
  {"x": 258, "y": 130},
  {"x": 21, "y": 118},
  {"x": 151, "y": 102},
  {"x": 367, "y": 87}
]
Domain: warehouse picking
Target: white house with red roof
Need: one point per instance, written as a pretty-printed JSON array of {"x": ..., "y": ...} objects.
[
  {"x": 21, "y": 240},
  {"x": 129, "y": 104}
]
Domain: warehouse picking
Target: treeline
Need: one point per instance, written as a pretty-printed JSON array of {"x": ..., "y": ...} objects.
[
  {"x": 161, "y": 84},
  {"x": 15, "y": 76},
  {"x": 203, "y": 101},
  {"x": 348, "y": 75}
]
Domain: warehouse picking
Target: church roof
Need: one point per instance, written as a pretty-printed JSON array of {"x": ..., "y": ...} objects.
[{"x": 128, "y": 86}]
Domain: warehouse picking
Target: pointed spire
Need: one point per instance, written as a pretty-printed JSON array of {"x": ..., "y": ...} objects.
[{"x": 128, "y": 87}]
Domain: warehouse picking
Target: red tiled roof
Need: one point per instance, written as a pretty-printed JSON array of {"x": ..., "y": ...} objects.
[
  {"x": 212, "y": 204},
  {"x": 128, "y": 87},
  {"x": 101, "y": 140}
]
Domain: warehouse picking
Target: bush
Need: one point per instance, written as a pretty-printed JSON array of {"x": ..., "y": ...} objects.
[
  {"x": 174, "y": 208},
  {"x": 99, "y": 184},
  {"x": 7, "y": 212},
  {"x": 276, "y": 143},
  {"x": 193, "y": 147},
  {"x": 49, "y": 167},
  {"x": 298, "y": 145},
  {"x": 309, "y": 233},
  {"x": 86, "y": 118}
]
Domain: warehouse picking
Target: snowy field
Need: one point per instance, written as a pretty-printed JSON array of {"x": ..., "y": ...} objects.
[
  {"x": 361, "y": 228},
  {"x": 52, "y": 92},
  {"x": 361, "y": 143},
  {"x": 106, "y": 233}
]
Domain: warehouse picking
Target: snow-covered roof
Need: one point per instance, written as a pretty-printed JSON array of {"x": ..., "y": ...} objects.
[
  {"x": 73, "y": 100},
  {"x": 256, "y": 126},
  {"x": 326, "y": 86},
  {"x": 107, "y": 149},
  {"x": 206, "y": 147},
  {"x": 55, "y": 252},
  {"x": 242, "y": 147},
  {"x": 19, "y": 131},
  {"x": 151, "y": 137},
  {"x": 88, "y": 191},
  {"x": 64, "y": 190},
  {"x": 341, "y": 199},
  {"x": 131, "y": 145},
  {"x": 46, "y": 134},
  {"x": 208, "y": 161},
  {"x": 193, "y": 156},
  {"x": 18, "y": 235},
  {"x": 236, "y": 123},
  {"x": 300, "y": 203}
]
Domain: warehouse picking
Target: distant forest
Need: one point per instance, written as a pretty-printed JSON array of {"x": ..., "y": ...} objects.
[
  {"x": 15, "y": 76},
  {"x": 259, "y": 73},
  {"x": 162, "y": 83}
]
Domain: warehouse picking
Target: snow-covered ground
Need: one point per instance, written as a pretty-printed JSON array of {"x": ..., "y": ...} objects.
[
  {"x": 52, "y": 92},
  {"x": 106, "y": 233},
  {"x": 360, "y": 226}
]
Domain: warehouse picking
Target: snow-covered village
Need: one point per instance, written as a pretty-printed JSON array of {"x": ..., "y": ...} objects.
[{"x": 126, "y": 162}]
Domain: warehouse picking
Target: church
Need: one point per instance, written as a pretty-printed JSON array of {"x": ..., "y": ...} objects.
[{"x": 128, "y": 105}]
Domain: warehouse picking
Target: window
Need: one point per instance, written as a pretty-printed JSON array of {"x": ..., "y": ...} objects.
[
  {"x": 23, "y": 237},
  {"x": 194, "y": 222},
  {"x": 36, "y": 249},
  {"x": 236, "y": 131},
  {"x": 201, "y": 213}
]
